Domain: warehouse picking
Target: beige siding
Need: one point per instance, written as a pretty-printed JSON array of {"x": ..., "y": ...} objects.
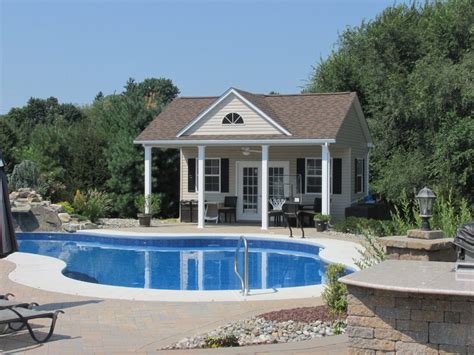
[
  {"x": 211, "y": 124},
  {"x": 290, "y": 154},
  {"x": 351, "y": 135}
]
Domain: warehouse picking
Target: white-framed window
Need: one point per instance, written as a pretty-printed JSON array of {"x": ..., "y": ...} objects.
[
  {"x": 314, "y": 176},
  {"x": 212, "y": 175},
  {"x": 232, "y": 119},
  {"x": 360, "y": 176}
]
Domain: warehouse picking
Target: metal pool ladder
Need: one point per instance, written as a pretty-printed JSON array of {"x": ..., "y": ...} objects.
[{"x": 244, "y": 282}]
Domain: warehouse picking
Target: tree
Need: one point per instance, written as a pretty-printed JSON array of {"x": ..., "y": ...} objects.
[
  {"x": 413, "y": 69},
  {"x": 120, "y": 118}
]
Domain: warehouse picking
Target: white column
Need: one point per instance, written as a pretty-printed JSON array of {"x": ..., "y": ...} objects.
[
  {"x": 367, "y": 173},
  {"x": 201, "y": 160},
  {"x": 147, "y": 176},
  {"x": 325, "y": 184},
  {"x": 264, "y": 187}
]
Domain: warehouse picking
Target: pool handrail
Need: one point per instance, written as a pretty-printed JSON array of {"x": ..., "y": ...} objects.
[{"x": 244, "y": 282}]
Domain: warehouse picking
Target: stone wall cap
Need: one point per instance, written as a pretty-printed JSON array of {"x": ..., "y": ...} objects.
[
  {"x": 413, "y": 243},
  {"x": 426, "y": 277}
]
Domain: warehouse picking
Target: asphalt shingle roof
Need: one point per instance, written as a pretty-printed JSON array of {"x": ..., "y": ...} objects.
[{"x": 310, "y": 116}]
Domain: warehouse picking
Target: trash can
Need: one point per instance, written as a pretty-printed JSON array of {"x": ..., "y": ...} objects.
[{"x": 188, "y": 211}]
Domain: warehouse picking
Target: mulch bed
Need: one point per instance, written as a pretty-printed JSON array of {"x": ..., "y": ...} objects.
[{"x": 303, "y": 314}]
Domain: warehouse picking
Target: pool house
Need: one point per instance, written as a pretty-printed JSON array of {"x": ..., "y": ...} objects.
[{"x": 253, "y": 150}]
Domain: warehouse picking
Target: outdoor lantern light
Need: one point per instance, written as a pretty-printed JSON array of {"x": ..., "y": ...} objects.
[
  {"x": 426, "y": 199},
  {"x": 2, "y": 163}
]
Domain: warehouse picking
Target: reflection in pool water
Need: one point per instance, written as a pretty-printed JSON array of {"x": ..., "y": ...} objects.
[{"x": 177, "y": 264}]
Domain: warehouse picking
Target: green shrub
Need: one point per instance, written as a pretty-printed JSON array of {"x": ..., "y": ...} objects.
[
  {"x": 335, "y": 293},
  {"x": 66, "y": 207},
  {"x": 447, "y": 216},
  {"x": 221, "y": 342},
  {"x": 24, "y": 175},
  {"x": 153, "y": 201},
  {"x": 338, "y": 326},
  {"x": 93, "y": 205},
  {"x": 322, "y": 217},
  {"x": 372, "y": 254}
]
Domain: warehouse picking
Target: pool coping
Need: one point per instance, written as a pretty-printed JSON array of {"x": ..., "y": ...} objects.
[{"x": 44, "y": 272}]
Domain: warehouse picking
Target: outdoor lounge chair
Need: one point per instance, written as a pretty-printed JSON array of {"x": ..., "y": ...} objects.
[
  {"x": 7, "y": 302},
  {"x": 229, "y": 208},
  {"x": 15, "y": 315}
]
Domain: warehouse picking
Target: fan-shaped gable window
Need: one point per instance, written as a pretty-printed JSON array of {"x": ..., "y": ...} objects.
[{"x": 232, "y": 118}]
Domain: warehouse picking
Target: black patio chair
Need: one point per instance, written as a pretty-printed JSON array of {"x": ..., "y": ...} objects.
[
  {"x": 310, "y": 212},
  {"x": 291, "y": 210},
  {"x": 229, "y": 208}
]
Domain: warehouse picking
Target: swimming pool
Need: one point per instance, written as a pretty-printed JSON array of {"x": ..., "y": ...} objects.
[
  {"x": 178, "y": 263},
  {"x": 47, "y": 272}
]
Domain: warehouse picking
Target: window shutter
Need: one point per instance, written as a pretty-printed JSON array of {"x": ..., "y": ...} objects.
[
  {"x": 224, "y": 175},
  {"x": 301, "y": 170},
  {"x": 363, "y": 176},
  {"x": 337, "y": 176},
  {"x": 191, "y": 175},
  {"x": 355, "y": 176}
]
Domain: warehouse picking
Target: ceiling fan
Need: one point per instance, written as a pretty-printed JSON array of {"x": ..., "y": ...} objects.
[{"x": 247, "y": 150}]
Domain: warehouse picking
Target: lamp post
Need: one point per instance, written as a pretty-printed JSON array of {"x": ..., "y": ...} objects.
[{"x": 426, "y": 199}]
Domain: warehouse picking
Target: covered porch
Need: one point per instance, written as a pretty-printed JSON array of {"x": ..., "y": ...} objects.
[{"x": 213, "y": 170}]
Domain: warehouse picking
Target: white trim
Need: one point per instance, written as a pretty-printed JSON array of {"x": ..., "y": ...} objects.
[
  {"x": 285, "y": 141},
  {"x": 219, "y": 100},
  {"x": 264, "y": 183},
  {"x": 201, "y": 207},
  {"x": 325, "y": 185},
  {"x": 148, "y": 177}
]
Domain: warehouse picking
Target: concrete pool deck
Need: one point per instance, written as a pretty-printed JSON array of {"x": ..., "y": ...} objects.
[{"x": 103, "y": 326}]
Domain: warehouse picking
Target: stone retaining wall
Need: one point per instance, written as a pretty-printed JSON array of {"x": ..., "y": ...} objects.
[{"x": 408, "y": 323}]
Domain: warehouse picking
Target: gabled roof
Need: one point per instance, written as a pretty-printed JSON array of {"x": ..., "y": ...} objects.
[{"x": 300, "y": 116}]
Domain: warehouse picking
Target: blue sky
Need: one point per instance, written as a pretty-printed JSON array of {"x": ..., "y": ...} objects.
[{"x": 74, "y": 49}]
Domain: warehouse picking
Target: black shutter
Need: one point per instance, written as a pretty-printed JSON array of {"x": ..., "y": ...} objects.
[
  {"x": 224, "y": 175},
  {"x": 301, "y": 170},
  {"x": 337, "y": 176},
  {"x": 191, "y": 175},
  {"x": 355, "y": 175},
  {"x": 363, "y": 175}
]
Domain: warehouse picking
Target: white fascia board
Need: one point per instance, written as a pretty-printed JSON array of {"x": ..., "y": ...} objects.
[
  {"x": 234, "y": 142},
  {"x": 224, "y": 96}
]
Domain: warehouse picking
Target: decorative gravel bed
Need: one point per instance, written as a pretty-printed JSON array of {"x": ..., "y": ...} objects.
[{"x": 283, "y": 326}]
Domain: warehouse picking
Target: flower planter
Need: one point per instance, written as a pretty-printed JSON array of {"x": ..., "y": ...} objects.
[
  {"x": 321, "y": 226},
  {"x": 144, "y": 219}
]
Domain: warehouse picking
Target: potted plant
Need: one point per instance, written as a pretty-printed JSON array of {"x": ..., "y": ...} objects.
[
  {"x": 321, "y": 221},
  {"x": 151, "y": 204}
]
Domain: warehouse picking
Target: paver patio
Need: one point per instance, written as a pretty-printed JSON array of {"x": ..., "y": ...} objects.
[{"x": 117, "y": 326}]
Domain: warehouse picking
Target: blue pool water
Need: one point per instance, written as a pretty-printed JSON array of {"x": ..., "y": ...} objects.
[{"x": 184, "y": 263}]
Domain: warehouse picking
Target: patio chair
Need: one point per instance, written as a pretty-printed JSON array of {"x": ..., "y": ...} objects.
[
  {"x": 310, "y": 212},
  {"x": 229, "y": 208},
  {"x": 208, "y": 217},
  {"x": 291, "y": 210},
  {"x": 16, "y": 315},
  {"x": 6, "y": 301}
]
